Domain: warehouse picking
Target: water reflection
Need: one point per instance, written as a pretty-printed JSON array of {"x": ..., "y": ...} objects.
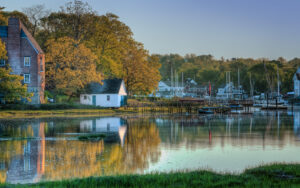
[
  {"x": 49, "y": 157},
  {"x": 144, "y": 144}
]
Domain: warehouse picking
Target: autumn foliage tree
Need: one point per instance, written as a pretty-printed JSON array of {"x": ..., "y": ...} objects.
[
  {"x": 141, "y": 71},
  {"x": 109, "y": 40},
  {"x": 117, "y": 54},
  {"x": 70, "y": 66}
]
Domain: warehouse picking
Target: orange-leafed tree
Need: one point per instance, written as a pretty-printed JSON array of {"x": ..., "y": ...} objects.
[
  {"x": 141, "y": 71},
  {"x": 70, "y": 66}
]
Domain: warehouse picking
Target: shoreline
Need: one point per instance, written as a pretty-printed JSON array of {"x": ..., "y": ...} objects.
[
  {"x": 278, "y": 175},
  {"x": 16, "y": 114}
]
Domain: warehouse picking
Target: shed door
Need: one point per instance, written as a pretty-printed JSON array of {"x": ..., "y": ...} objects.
[
  {"x": 94, "y": 100},
  {"x": 123, "y": 100}
]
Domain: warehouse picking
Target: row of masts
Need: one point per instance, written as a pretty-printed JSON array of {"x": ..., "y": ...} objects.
[{"x": 175, "y": 82}]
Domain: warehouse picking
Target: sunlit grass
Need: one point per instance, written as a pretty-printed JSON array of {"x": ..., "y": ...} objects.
[{"x": 276, "y": 175}]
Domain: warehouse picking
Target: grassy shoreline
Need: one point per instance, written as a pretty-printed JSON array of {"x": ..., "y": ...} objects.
[
  {"x": 275, "y": 175},
  {"x": 14, "y": 114}
]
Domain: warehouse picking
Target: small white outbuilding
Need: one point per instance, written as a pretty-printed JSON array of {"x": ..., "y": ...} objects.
[{"x": 112, "y": 93}]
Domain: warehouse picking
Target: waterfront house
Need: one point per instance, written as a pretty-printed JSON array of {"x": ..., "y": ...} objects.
[
  {"x": 25, "y": 57},
  {"x": 230, "y": 92},
  {"x": 296, "y": 79},
  {"x": 167, "y": 89},
  {"x": 111, "y": 93},
  {"x": 162, "y": 86}
]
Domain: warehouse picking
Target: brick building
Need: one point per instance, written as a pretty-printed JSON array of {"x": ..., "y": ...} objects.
[{"x": 25, "y": 57}]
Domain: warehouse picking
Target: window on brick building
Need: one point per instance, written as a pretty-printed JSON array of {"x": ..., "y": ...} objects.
[
  {"x": 27, "y": 61},
  {"x": 2, "y": 62},
  {"x": 26, "y": 78},
  {"x": 41, "y": 65}
]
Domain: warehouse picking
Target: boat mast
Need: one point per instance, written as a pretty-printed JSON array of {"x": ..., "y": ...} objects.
[
  {"x": 239, "y": 82},
  {"x": 172, "y": 80}
]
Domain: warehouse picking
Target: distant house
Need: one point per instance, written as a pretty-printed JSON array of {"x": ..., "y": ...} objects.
[
  {"x": 166, "y": 89},
  {"x": 112, "y": 93},
  {"x": 25, "y": 57},
  {"x": 296, "y": 79},
  {"x": 230, "y": 92},
  {"x": 162, "y": 86}
]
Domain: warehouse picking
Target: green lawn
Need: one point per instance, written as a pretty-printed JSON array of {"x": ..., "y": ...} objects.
[{"x": 277, "y": 175}]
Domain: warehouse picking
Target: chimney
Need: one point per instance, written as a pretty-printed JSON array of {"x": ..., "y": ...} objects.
[{"x": 14, "y": 45}]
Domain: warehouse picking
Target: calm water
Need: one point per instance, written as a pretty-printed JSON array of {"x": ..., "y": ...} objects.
[{"x": 144, "y": 144}]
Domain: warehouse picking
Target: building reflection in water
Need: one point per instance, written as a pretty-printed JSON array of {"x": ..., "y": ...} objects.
[
  {"x": 111, "y": 125},
  {"x": 29, "y": 166}
]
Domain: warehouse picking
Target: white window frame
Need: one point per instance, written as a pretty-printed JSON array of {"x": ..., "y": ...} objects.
[
  {"x": 27, "y": 82},
  {"x": 29, "y": 62},
  {"x": 2, "y": 60},
  {"x": 107, "y": 97}
]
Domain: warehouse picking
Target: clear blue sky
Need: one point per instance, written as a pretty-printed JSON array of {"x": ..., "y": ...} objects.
[{"x": 228, "y": 28}]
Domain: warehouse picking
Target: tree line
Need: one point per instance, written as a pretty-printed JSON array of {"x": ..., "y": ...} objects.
[
  {"x": 260, "y": 73},
  {"x": 82, "y": 46}
]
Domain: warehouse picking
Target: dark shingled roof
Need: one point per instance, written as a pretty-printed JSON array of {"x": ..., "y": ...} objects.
[{"x": 109, "y": 86}]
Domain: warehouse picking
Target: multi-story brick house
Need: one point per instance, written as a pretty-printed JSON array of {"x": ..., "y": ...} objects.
[{"x": 25, "y": 57}]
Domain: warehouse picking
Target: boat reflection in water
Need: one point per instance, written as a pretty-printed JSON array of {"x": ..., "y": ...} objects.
[{"x": 144, "y": 144}]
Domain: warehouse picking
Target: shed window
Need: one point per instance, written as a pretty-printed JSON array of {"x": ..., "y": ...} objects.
[
  {"x": 108, "y": 98},
  {"x": 26, "y": 78},
  {"x": 2, "y": 62},
  {"x": 85, "y": 97},
  {"x": 27, "y": 61}
]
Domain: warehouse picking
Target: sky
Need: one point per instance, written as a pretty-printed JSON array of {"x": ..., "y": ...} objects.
[{"x": 222, "y": 28}]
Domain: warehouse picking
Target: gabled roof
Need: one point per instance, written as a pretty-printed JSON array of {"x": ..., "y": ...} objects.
[
  {"x": 30, "y": 38},
  {"x": 109, "y": 86},
  {"x": 297, "y": 74},
  {"x": 24, "y": 33}
]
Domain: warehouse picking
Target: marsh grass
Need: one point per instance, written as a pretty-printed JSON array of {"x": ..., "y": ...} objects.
[{"x": 276, "y": 175}]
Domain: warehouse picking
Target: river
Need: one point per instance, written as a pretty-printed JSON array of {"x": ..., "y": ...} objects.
[{"x": 33, "y": 150}]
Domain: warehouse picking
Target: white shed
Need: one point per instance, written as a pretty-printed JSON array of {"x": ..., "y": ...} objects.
[{"x": 112, "y": 93}]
